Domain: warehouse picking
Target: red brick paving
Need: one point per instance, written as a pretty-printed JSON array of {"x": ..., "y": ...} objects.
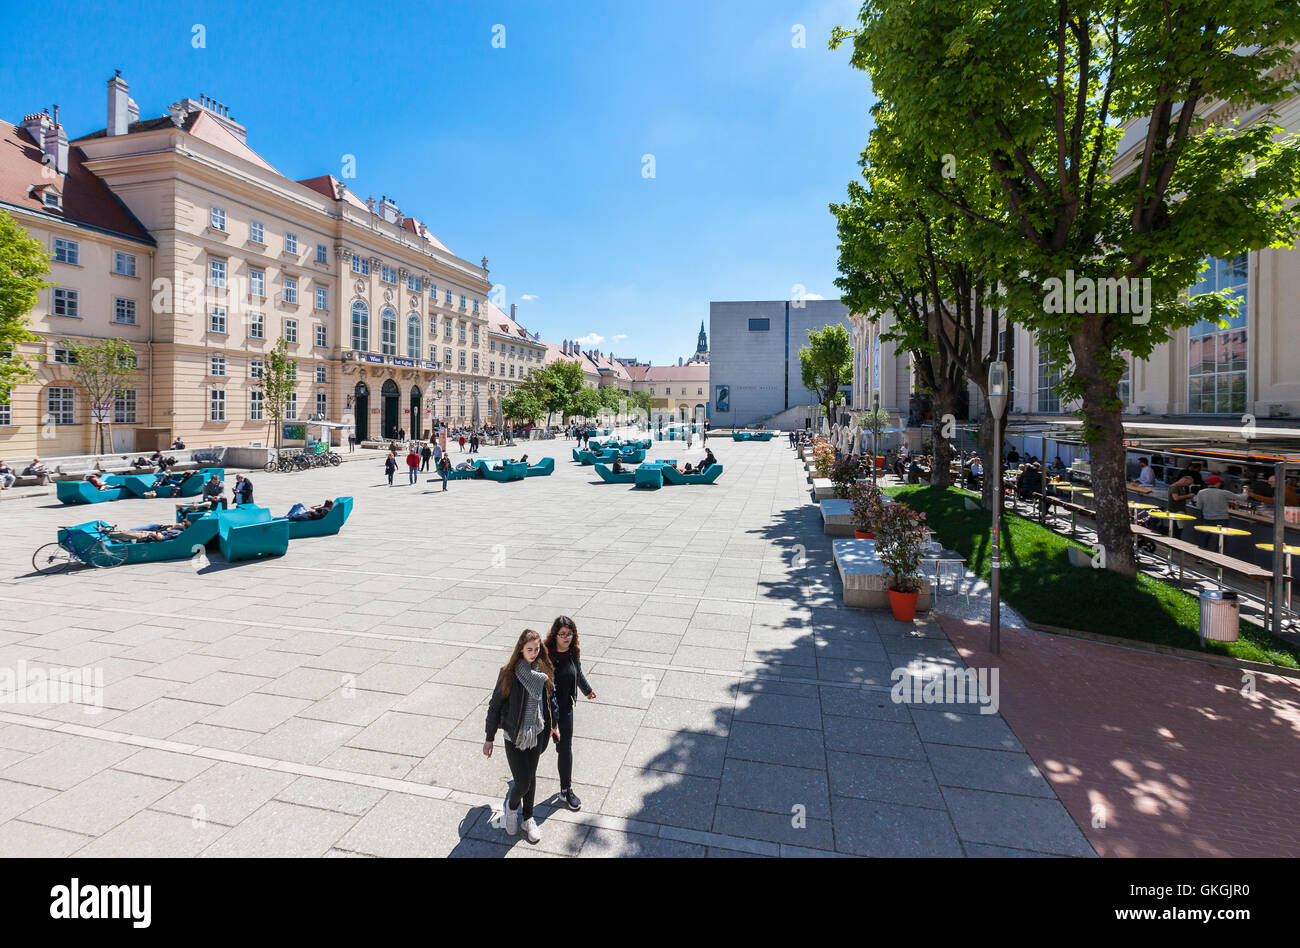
[{"x": 1180, "y": 760}]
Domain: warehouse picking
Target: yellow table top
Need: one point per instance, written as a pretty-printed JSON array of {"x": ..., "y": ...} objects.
[
  {"x": 1068, "y": 487},
  {"x": 1137, "y": 506},
  {"x": 1289, "y": 550},
  {"x": 1223, "y": 531},
  {"x": 1171, "y": 516},
  {"x": 1087, "y": 493}
]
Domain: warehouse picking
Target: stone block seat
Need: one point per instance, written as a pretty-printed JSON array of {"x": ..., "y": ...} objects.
[
  {"x": 865, "y": 578},
  {"x": 250, "y": 532},
  {"x": 823, "y": 488},
  {"x": 672, "y": 476},
  {"x": 837, "y": 517}
]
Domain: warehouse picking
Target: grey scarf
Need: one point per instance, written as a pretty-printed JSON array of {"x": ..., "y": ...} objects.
[{"x": 534, "y": 681}]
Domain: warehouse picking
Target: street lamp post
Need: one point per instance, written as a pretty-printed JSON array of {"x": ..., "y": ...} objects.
[
  {"x": 875, "y": 433},
  {"x": 997, "y": 405}
]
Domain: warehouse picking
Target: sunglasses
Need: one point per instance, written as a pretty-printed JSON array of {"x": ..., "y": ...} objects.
[{"x": 565, "y": 634}]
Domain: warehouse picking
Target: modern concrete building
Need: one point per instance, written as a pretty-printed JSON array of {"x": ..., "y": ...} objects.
[{"x": 754, "y": 356}]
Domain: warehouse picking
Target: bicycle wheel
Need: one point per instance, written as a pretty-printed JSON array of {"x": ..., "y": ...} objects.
[
  {"x": 272, "y": 465},
  {"x": 105, "y": 555},
  {"x": 52, "y": 558},
  {"x": 334, "y": 459}
]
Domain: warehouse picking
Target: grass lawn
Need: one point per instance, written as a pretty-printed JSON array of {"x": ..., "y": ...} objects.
[{"x": 1039, "y": 582}]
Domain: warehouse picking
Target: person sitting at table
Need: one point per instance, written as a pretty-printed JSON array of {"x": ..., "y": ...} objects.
[
  {"x": 1180, "y": 492},
  {"x": 1057, "y": 464},
  {"x": 1029, "y": 482},
  {"x": 1146, "y": 474},
  {"x": 914, "y": 472},
  {"x": 975, "y": 477},
  {"x": 1013, "y": 457},
  {"x": 94, "y": 481},
  {"x": 1263, "y": 489},
  {"x": 1212, "y": 502}
]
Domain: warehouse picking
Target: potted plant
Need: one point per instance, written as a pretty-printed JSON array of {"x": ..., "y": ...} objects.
[
  {"x": 867, "y": 500},
  {"x": 844, "y": 472},
  {"x": 900, "y": 535},
  {"x": 823, "y": 457}
]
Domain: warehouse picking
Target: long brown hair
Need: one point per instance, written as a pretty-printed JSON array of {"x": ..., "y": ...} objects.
[
  {"x": 507, "y": 676},
  {"x": 552, "y": 638}
]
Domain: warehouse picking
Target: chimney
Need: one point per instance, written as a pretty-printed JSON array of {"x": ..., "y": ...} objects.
[
  {"x": 132, "y": 111},
  {"x": 512, "y": 310},
  {"x": 118, "y": 105},
  {"x": 56, "y": 145}
]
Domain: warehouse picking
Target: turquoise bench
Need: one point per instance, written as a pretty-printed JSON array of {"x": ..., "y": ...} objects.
[
  {"x": 199, "y": 534},
  {"x": 542, "y": 468},
  {"x": 507, "y": 472},
  {"x": 326, "y": 526},
  {"x": 250, "y": 532},
  {"x": 649, "y": 475},
  {"x": 711, "y": 474},
  {"x": 609, "y": 477},
  {"x": 752, "y": 435},
  {"x": 141, "y": 484},
  {"x": 80, "y": 492}
]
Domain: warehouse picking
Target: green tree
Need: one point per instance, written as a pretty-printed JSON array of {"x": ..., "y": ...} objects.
[
  {"x": 278, "y": 382},
  {"x": 1038, "y": 93},
  {"x": 826, "y": 364},
  {"x": 521, "y": 405},
  {"x": 22, "y": 262},
  {"x": 104, "y": 368},
  {"x": 585, "y": 403}
]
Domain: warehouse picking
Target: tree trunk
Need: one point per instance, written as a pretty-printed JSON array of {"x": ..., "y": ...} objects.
[
  {"x": 944, "y": 402},
  {"x": 1104, "y": 434}
]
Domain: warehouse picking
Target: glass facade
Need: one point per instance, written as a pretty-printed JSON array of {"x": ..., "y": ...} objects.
[{"x": 1216, "y": 357}]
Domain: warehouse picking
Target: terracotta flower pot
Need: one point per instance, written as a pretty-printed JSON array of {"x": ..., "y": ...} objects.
[
  {"x": 903, "y": 604},
  {"x": 863, "y": 535}
]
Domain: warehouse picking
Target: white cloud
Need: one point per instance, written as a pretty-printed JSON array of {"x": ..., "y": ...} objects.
[
  {"x": 529, "y": 296},
  {"x": 807, "y": 296},
  {"x": 620, "y": 336},
  {"x": 590, "y": 339}
]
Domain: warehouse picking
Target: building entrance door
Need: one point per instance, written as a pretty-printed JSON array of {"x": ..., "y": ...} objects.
[
  {"x": 361, "y": 410},
  {"x": 416, "y": 411},
  {"x": 392, "y": 409}
]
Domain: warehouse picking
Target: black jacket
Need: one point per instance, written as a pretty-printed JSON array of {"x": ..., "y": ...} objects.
[
  {"x": 507, "y": 713},
  {"x": 577, "y": 683}
]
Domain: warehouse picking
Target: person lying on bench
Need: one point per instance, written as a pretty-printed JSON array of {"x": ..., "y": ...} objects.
[
  {"x": 94, "y": 481},
  {"x": 171, "y": 482},
  {"x": 141, "y": 462},
  {"x": 303, "y": 512},
  {"x": 150, "y": 533},
  {"x": 687, "y": 469}
]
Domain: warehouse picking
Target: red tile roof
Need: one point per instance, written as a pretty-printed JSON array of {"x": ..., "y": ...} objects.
[{"x": 86, "y": 199}]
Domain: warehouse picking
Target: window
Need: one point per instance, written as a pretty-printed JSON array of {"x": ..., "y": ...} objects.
[
  {"x": 217, "y": 366},
  {"x": 217, "y": 274},
  {"x": 388, "y": 274},
  {"x": 474, "y": 336},
  {"x": 257, "y": 368},
  {"x": 446, "y": 329},
  {"x": 291, "y": 405},
  {"x": 433, "y": 292},
  {"x": 65, "y": 356},
  {"x": 256, "y": 406},
  {"x": 124, "y": 408},
  {"x": 290, "y": 243},
  {"x": 699, "y": 391},
  {"x": 67, "y": 303},
  {"x": 446, "y": 358},
  {"x": 123, "y": 263},
  {"x": 461, "y": 327},
  {"x": 256, "y": 232},
  {"x": 448, "y": 297},
  {"x": 322, "y": 336},
  {"x": 462, "y": 385},
  {"x": 360, "y": 265},
  {"x": 322, "y": 254},
  {"x": 1217, "y": 360},
  {"x": 492, "y": 345},
  {"x": 433, "y": 327},
  {"x": 476, "y": 307},
  {"x": 413, "y": 284},
  {"x": 360, "y": 326},
  {"x": 1124, "y": 385},
  {"x": 476, "y": 388},
  {"x": 6, "y": 416},
  {"x": 476, "y": 362},
  {"x": 291, "y": 372},
  {"x": 322, "y": 298},
  {"x": 322, "y": 404},
  {"x": 217, "y": 319},
  {"x": 388, "y": 331},
  {"x": 461, "y": 363},
  {"x": 413, "y": 336},
  {"x": 321, "y": 377},
  {"x": 257, "y": 283},
  {"x": 53, "y": 199},
  {"x": 290, "y": 290},
  {"x": 61, "y": 406},
  {"x": 217, "y": 404},
  {"x": 462, "y": 301},
  {"x": 217, "y": 219},
  {"x": 512, "y": 370},
  {"x": 291, "y": 330},
  {"x": 1048, "y": 379},
  {"x": 66, "y": 251},
  {"x": 512, "y": 352},
  {"x": 433, "y": 353},
  {"x": 447, "y": 385},
  {"x": 124, "y": 311},
  {"x": 256, "y": 326},
  {"x": 492, "y": 368},
  {"x": 760, "y": 325}
]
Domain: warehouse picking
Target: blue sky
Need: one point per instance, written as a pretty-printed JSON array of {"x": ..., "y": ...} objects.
[{"x": 529, "y": 154}]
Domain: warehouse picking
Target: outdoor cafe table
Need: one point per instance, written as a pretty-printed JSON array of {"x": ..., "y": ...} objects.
[
  {"x": 1171, "y": 517},
  {"x": 1290, "y": 551},
  {"x": 1134, "y": 507},
  {"x": 1222, "y": 532}
]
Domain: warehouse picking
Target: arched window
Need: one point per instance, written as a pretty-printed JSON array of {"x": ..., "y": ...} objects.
[
  {"x": 388, "y": 331},
  {"x": 360, "y": 326},
  {"x": 413, "y": 336}
]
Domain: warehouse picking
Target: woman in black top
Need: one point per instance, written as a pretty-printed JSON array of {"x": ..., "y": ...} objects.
[
  {"x": 390, "y": 467},
  {"x": 562, "y": 647},
  {"x": 523, "y": 706}
]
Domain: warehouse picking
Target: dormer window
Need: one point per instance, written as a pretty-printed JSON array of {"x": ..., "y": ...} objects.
[{"x": 52, "y": 199}]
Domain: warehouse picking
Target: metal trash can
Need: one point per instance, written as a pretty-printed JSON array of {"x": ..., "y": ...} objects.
[{"x": 1220, "y": 615}]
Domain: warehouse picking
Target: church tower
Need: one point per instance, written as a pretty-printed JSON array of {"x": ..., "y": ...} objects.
[{"x": 702, "y": 346}]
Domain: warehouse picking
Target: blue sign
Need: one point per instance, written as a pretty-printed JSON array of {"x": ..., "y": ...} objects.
[
  {"x": 432, "y": 366},
  {"x": 724, "y": 398},
  {"x": 406, "y": 363},
  {"x": 371, "y": 357}
]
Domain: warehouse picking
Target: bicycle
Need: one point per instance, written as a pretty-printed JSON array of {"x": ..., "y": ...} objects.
[{"x": 78, "y": 547}]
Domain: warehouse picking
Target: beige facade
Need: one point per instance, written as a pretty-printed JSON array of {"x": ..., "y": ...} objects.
[
  {"x": 513, "y": 355},
  {"x": 679, "y": 392}
]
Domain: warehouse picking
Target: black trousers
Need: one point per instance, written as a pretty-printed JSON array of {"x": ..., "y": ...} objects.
[
  {"x": 565, "y": 749},
  {"x": 523, "y": 767}
]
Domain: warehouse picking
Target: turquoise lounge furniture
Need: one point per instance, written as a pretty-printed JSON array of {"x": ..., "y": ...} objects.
[
  {"x": 326, "y": 526},
  {"x": 542, "y": 468},
  {"x": 80, "y": 492},
  {"x": 200, "y": 533},
  {"x": 609, "y": 477},
  {"x": 141, "y": 484},
  {"x": 250, "y": 532},
  {"x": 649, "y": 475},
  {"x": 752, "y": 435},
  {"x": 711, "y": 474},
  {"x": 507, "y": 472}
]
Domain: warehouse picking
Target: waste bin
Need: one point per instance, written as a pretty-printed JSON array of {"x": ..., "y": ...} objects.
[{"x": 1220, "y": 615}]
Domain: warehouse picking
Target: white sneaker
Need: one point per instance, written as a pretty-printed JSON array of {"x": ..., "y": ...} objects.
[
  {"x": 509, "y": 817},
  {"x": 531, "y": 833}
]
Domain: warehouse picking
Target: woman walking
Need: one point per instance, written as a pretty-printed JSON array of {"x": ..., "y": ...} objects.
[
  {"x": 523, "y": 707},
  {"x": 562, "y": 647},
  {"x": 390, "y": 467}
]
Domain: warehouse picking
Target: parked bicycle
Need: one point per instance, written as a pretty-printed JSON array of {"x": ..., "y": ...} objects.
[{"x": 79, "y": 547}]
